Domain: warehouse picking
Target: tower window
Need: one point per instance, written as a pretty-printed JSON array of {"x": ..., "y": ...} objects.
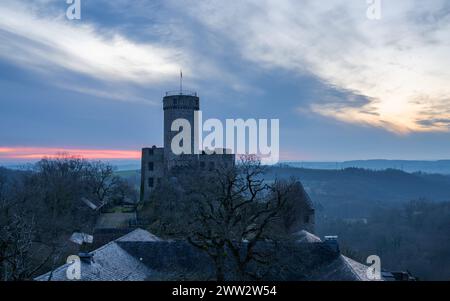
[
  {"x": 151, "y": 152},
  {"x": 151, "y": 166},
  {"x": 151, "y": 182}
]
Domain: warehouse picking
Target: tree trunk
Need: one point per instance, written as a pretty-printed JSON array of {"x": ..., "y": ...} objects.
[
  {"x": 220, "y": 262},
  {"x": 220, "y": 275}
]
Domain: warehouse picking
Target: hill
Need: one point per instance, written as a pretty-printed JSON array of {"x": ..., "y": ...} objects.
[
  {"x": 411, "y": 166},
  {"x": 354, "y": 193}
]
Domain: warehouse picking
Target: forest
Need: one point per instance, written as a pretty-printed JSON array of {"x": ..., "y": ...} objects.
[{"x": 402, "y": 217}]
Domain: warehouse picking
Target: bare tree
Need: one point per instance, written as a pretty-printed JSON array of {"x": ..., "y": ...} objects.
[
  {"x": 225, "y": 213},
  {"x": 101, "y": 182},
  {"x": 40, "y": 210},
  {"x": 122, "y": 192},
  {"x": 15, "y": 235},
  {"x": 17, "y": 240},
  {"x": 236, "y": 214}
]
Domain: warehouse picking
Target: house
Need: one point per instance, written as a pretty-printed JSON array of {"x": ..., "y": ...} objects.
[{"x": 141, "y": 256}]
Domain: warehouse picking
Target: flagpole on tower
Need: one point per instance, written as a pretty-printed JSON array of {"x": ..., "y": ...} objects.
[{"x": 181, "y": 82}]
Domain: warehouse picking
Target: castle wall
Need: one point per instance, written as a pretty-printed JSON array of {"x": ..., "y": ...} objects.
[
  {"x": 216, "y": 160},
  {"x": 152, "y": 170}
]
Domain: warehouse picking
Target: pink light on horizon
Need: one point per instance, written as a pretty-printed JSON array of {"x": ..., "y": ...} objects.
[{"x": 37, "y": 153}]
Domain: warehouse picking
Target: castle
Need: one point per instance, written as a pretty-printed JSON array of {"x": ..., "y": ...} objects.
[{"x": 158, "y": 162}]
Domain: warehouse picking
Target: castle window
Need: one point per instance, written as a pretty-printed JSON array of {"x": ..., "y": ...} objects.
[
  {"x": 211, "y": 166},
  {"x": 151, "y": 152},
  {"x": 151, "y": 182},
  {"x": 202, "y": 165},
  {"x": 151, "y": 166}
]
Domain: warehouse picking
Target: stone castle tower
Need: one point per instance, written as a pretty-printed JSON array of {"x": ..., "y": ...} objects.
[
  {"x": 157, "y": 162},
  {"x": 179, "y": 106}
]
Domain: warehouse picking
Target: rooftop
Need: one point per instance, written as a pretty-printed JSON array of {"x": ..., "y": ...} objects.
[
  {"x": 181, "y": 93},
  {"x": 141, "y": 256}
]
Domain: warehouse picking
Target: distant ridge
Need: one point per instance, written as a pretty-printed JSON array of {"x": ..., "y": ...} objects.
[{"x": 411, "y": 166}]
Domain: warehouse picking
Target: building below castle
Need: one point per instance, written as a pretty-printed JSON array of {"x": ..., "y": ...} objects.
[
  {"x": 158, "y": 162},
  {"x": 142, "y": 256}
]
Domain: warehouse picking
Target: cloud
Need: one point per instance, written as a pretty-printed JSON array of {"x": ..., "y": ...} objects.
[
  {"x": 392, "y": 73},
  {"x": 109, "y": 92},
  {"x": 399, "y": 64},
  {"x": 42, "y": 41},
  {"x": 143, "y": 48},
  {"x": 433, "y": 122}
]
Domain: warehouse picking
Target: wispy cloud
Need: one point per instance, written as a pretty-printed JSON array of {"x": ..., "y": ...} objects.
[
  {"x": 47, "y": 42},
  {"x": 399, "y": 64},
  {"x": 109, "y": 92}
]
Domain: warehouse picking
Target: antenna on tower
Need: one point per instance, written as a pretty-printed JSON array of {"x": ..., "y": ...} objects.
[{"x": 181, "y": 81}]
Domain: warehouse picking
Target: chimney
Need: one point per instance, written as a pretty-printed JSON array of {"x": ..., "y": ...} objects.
[
  {"x": 87, "y": 258},
  {"x": 332, "y": 243}
]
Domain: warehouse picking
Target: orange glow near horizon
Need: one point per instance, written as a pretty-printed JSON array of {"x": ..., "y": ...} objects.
[{"x": 37, "y": 153}]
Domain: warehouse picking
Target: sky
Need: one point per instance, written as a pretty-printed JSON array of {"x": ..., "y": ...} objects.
[{"x": 344, "y": 86}]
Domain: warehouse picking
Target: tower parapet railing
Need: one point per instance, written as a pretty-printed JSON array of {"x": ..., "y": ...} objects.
[{"x": 181, "y": 93}]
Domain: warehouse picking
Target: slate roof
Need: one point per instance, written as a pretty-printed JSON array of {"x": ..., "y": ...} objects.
[
  {"x": 306, "y": 237},
  {"x": 341, "y": 269},
  {"x": 110, "y": 262},
  {"x": 140, "y": 256}
]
